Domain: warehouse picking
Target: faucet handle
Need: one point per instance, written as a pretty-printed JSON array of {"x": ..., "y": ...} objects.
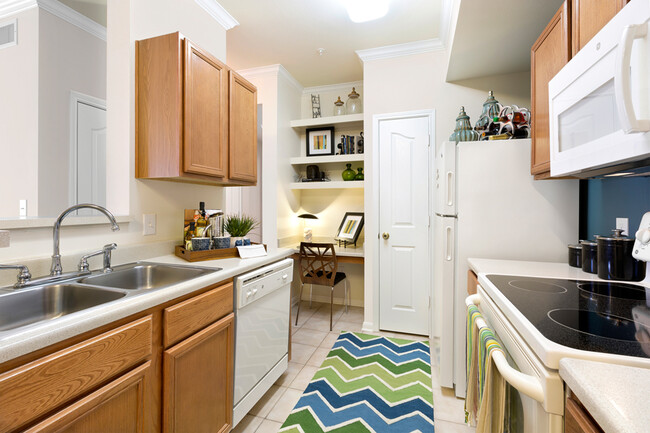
[
  {"x": 24, "y": 276},
  {"x": 83, "y": 263}
]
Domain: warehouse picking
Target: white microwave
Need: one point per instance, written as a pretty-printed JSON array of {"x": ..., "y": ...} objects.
[{"x": 599, "y": 103}]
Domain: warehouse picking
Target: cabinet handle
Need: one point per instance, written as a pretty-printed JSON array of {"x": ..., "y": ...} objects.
[{"x": 622, "y": 85}]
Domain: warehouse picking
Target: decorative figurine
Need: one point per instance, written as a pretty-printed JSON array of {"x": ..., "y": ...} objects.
[
  {"x": 315, "y": 106},
  {"x": 360, "y": 143},
  {"x": 491, "y": 108}
]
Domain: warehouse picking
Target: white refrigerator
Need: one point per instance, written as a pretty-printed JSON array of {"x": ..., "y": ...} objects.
[{"x": 488, "y": 205}]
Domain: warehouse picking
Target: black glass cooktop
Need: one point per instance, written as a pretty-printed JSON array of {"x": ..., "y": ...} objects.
[{"x": 599, "y": 316}]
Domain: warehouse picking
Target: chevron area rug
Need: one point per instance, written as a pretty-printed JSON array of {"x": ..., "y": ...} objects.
[{"x": 368, "y": 383}]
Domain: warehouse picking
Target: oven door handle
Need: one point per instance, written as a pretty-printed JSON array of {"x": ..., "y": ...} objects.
[{"x": 524, "y": 383}]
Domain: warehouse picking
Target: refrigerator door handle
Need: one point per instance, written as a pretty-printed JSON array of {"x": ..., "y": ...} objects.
[
  {"x": 448, "y": 249},
  {"x": 450, "y": 188}
]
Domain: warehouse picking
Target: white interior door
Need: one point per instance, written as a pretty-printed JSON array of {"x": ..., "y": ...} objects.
[
  {"x": 404, "y": 253},
  {"x": 90, "y": 156}
]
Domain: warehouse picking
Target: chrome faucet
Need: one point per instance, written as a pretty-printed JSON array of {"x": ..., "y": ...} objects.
[
  {"x": 106, "y": 251},
  {"x": 24, "y": 276},
  {"x": 56, "y": 268}
]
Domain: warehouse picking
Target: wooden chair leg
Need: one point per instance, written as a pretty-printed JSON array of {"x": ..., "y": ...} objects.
[
  {"x": 331, "y": 306},
  {"x": 299, "y": 302}
]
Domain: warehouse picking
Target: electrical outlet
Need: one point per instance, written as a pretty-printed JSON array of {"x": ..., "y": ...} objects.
[
  {"x": 22, "y": 208},
  {"x": 149, "y": 224},
  {"x": 623, "y": 224}
]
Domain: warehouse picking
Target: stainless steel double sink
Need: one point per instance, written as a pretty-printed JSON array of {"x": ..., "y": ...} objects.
[{"x": 29, "y": 305}]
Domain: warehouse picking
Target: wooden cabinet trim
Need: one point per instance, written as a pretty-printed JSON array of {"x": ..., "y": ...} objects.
[
  {"x": 189, "y": 116},
  {"x": 34, "y": 389},
  {"x": 186, "y": 318},
  {"x": 472, "y": 282},
  {"x": 242, "y": 137},
  {"x": 540, "y": 132},
  {"x": 577, "y": 420},
  {"x": 173, "y": 357},
  {"x": 136, "y": 378}
]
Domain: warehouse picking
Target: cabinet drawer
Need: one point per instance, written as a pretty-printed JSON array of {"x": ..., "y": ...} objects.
[
  {"x": 34, "y": 389},
  {"x": 184, "y": 319}
]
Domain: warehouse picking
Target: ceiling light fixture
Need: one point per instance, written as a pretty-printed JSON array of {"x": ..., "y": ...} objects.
[{"x": 366, "y": 10}]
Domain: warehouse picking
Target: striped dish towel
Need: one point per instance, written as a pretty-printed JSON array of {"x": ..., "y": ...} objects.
[
  {"x": 485, "y": 386},
  {"x": 472, "y": 400}
]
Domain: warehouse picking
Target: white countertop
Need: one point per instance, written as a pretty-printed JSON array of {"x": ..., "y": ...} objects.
[
  {"x": 616, "y": 396},
  {"x": 21, "y": 341}
]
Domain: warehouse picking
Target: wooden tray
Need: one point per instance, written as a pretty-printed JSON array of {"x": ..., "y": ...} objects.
[{"x": 199, "y": 256}]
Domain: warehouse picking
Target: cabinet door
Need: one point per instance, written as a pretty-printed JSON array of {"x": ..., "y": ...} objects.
[
  {"x": 550, "y": 52},
  {"x": 588, "y": 17},
  {"x": 198, "y": 381},
  {"x": 243, "y": 129},
  {"x": 576, "y": 420},
  {"x": 205, "y": 114},
  {"x": 120, "y": 406},
  {"x": 472, "y": 282}
]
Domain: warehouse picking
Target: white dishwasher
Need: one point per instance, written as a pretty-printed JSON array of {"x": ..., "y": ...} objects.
[{"x": 262, "y": 319}]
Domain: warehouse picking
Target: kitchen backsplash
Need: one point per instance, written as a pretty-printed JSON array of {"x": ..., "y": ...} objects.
[{"x": 608, "y": 199}]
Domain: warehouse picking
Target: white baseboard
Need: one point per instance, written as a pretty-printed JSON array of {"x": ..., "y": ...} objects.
[{"x": 368, "y": 327}]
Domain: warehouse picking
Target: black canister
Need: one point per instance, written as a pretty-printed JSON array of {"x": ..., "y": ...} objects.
[
  {"x": 589, "y": 256},
  {"x": 615, "y": 261},
  {"x": 575, "y": 256}
]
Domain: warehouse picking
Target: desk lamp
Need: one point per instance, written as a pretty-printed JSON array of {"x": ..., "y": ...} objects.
[{"x": 307, "y": 230}]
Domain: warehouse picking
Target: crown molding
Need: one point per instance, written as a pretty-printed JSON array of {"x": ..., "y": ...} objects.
[
  {"x": 73, "y": 17},
  {"x": 339, "y": 87},
  {"x": 12, "y": 7},
  {"x": 276, "y": 70},
  {"x": 446, "y": 15},
  {"x": 399, "y": 50},
  {"x": 217, "y": 12},
  {"x": 58, "y": 9}
]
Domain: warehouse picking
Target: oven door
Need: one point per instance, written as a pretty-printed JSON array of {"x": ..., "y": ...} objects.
[
  {"x": 599, "y": 102},
  {"x": 535, "y": 394}
]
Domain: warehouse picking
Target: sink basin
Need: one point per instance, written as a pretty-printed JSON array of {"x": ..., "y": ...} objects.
[
  {"x": 147, "y": 276},
  {"x": 26, "y": 306}
]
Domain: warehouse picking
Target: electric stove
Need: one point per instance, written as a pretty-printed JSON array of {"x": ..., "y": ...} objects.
[{"x": 597, "y": 316}]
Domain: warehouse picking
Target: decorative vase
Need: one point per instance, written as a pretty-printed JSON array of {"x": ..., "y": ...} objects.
[
  {"x": 463, "y": 131},
  {"x": 353, "y": 105},
  {"x": 348, "y": 173},
  {"x": 339, "y": 107},
  {"x": 221, "y": 242},
  {"x": 491, "y": 108},
  {"x": 359, "y": 175}
]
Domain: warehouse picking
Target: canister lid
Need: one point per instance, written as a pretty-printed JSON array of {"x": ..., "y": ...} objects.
[
  {"x": 575, "y": 246},
  {"x": 588, "y": 243}
]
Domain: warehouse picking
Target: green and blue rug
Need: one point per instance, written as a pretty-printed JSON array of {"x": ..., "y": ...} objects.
[{"x": 368, "y": 384}]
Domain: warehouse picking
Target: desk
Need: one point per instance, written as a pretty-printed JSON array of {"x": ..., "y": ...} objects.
[{"x": 343, "y": 255}]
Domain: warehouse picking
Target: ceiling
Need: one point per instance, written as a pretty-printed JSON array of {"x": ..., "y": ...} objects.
[
  {"x": 290, "y": 32},
  {"x": 494, "y": 37},
  {"x": 93, "y": 9}
]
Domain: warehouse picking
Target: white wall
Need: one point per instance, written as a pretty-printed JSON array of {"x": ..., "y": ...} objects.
[
  {"x": 417, "y": 82},
  {"x": 129, "y": 20},
  {"x": 69, "y": 59},
  {"x": 19, "y": 118}
]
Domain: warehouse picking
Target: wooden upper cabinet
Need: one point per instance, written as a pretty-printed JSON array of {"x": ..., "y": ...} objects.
[
  {"x": 549, "y": 54},
  {"x": 243, "y": 129},
  {"x": 187, "y": 105},
  {"x": 205, "y": 113},
  {"x": 588, "y": 17}
]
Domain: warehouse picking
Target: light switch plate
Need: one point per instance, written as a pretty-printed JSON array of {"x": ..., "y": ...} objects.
[
  {"x": 4, "y": 238},
  {"x": 641, "y": 249},
  {"x": 149, "y": 224},
  {"x": 623, "y": 224}
]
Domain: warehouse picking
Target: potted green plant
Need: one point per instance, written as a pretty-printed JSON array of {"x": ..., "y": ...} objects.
[{"x": 239, "y": 226}]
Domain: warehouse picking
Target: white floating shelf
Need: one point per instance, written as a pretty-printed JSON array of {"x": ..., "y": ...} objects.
[
  {"x": 327, "y": 159},
  {"x": 338, "y": 184},
  {"x": 323, "y": 121}
]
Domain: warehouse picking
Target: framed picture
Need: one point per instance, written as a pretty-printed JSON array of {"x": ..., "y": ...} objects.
[
  {"x": 320, "y": 141},
  {"x": 350, "y": 227}
]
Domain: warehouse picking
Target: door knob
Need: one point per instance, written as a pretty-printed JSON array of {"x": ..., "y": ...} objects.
[{"x": 385, "y": 236}]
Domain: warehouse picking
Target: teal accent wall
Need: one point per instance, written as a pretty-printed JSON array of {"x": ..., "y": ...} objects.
[{"x": 611, "y": 198}]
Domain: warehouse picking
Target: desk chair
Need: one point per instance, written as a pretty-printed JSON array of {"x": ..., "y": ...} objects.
[{"x": 318, "y": 265}]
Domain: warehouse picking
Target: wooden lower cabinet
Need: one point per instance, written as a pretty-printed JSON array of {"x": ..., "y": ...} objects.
[
  {"x": 121, "y": 406},
  {"x": 198, "y": 380},
  {"x": 472, "y": 282},
  {"x": 577, "y": 419}
]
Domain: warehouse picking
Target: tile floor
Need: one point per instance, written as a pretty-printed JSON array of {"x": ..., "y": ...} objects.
[{"x": 311, "y": 342}]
